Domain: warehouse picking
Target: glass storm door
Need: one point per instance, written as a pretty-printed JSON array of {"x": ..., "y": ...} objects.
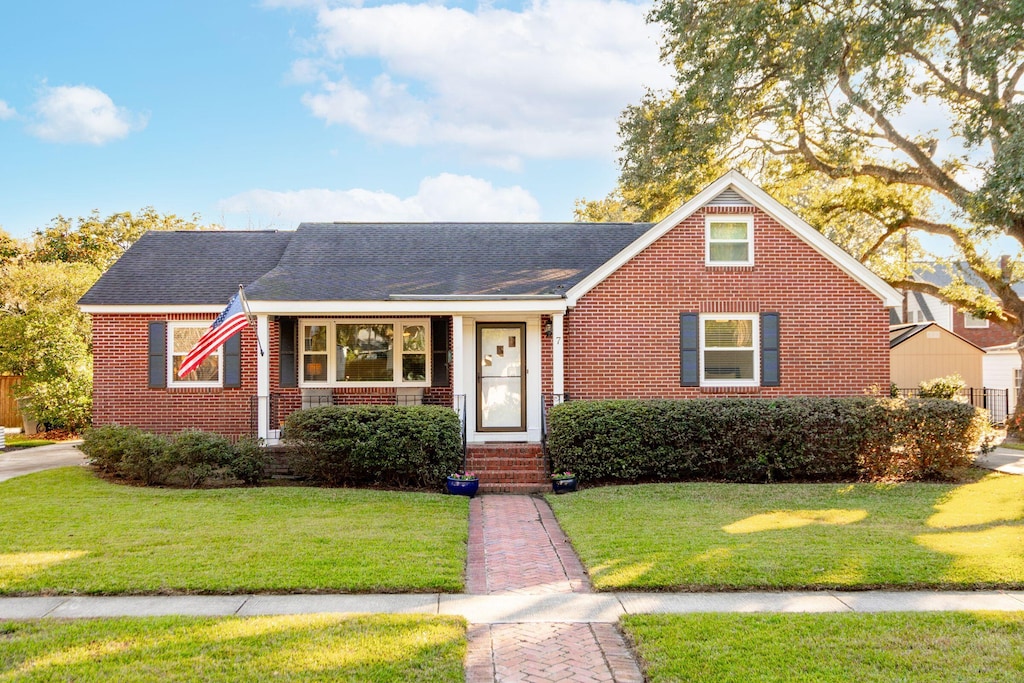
[{"x": 501, "y": 364}]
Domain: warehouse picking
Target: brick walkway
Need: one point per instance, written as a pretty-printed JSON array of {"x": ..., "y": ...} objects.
[{"x": 517, "y": 547}]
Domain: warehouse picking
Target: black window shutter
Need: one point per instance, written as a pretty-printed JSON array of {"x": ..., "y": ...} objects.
[
  {"x": 439, "y": 351},
  {"x": 157, "y": 355},
  {"x": 233, "y": 362},
  {"x": 287, "y": 374},
  {"x": 770, "y": 349},
  {"x": 689, "y": 350}
]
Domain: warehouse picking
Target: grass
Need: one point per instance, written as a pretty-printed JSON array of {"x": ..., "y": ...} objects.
[
  {"x": 66, "y": 531},
  {"x": 282, "y": 648},
  {"x": 1016, "y": 445},
  {"x": 857, "y": 536},
  {"x": 831, "y": 648},
  {"x": 17, "y": 441}
]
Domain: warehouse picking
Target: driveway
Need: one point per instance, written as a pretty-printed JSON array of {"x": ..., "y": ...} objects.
[{"x": 18, "y": 462}]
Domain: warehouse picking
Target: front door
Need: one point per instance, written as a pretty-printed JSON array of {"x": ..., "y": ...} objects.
[{"x": 500, "y": 375}]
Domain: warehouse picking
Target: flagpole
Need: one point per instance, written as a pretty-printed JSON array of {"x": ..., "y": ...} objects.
[{"x": 250, "y": 316}]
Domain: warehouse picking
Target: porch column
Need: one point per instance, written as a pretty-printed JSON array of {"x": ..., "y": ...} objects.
[
  {"x": 263, "y": 378},
  {"x": 557, "y": 354},
  {"x": 458, "y": 369}
]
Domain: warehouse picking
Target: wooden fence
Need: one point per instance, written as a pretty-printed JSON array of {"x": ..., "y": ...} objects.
[{"x": 9, "y": 415}]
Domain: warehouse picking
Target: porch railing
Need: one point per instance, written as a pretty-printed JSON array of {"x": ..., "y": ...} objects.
[
  {"x": 547, "y": 402},
  {"x": 273, "y": 402},
  {"x": 995, "y": 401}
]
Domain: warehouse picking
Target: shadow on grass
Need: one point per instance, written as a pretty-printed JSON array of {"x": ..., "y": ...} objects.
[{"x": 729, "y": 536}]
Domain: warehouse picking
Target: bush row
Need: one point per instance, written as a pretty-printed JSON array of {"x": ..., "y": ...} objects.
[
  {"x": 764, "y": 440},
  {"x": 389, "y": 445},
  {"x": 189, "y": 458}
]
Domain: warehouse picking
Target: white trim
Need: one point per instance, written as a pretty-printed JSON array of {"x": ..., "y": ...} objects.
[
  {"x": 458, "y": 371},
  {"x": 396, "y": 307},
  {"x": 172, "y": 379},
  {"x": 760, "y": 199},
  {"x": 728, "y": 218},
  {"x": 557, "y": 354},
  {"x": 263, "y": 378},
  {"x": 755, "y": 320},
  {"x": 159, "y": 309},
  {"x": 331, "y": 351}
]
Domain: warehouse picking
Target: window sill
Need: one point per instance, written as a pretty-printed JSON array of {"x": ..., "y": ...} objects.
[{"x": 730, "y": 390}]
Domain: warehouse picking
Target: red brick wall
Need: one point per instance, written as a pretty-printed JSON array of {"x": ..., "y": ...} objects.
[
  {"x": 121, "y": 377},
  {"x": 993, "y": 335},
  {"x": 622, "y": 338},
  {"x": 121, "y": 394}
]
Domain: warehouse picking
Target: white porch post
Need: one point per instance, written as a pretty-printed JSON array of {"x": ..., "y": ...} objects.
[
  {"x": 263, "y": 378},
  {"x": 557, "y": 354},
  {"x": 458, "y": 369}
]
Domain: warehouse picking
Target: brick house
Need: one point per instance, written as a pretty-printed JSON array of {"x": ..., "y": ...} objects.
[{"x": 730, "y": 295}]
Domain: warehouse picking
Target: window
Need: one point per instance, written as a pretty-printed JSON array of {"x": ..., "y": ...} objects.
[
  {"x": 728, "y": 347},
  {"x": 974, "y": 323},
  {"x": 729, "y": 240},
  {"x": 182, "y": 336},
  {"x": 364, "y": 353}
]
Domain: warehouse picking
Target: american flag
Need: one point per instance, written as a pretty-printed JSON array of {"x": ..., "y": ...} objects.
[{"x": 230, "y": 321}]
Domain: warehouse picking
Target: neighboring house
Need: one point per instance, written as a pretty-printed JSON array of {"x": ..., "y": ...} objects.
[
  {"x": 921, "y": 352},
  {"x": 724, "y": 297},
  {"x": 1001, "y": 365}
]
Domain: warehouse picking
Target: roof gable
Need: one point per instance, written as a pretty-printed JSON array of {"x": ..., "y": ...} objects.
[{"x": 725, "y": 189}]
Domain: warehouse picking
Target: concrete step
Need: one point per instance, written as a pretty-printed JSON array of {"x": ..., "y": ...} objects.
[{"x": 517, "y": 488}]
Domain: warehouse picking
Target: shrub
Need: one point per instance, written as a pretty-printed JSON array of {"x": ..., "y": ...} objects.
[
  {"x": 390, "y": 445},
  {"x": 127, "y": 452},
  {"x": 250, "y": 462},
  {"x": 195, "y": 456},
  {"x": 941, "y": 387},
  {"x": 762, "y": 440}
]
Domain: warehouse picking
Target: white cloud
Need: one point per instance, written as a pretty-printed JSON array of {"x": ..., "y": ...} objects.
[
  {"x": 548, "y": 81},
  {"x": 446, "y": 197},
  {"x": 6, "y": 111},
  {"x": 81, "y": 114}
]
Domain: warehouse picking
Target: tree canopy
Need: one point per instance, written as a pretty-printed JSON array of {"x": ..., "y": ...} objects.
[
  {"x": 46, "y": 338},
  {"x": 878, "y": 120}
]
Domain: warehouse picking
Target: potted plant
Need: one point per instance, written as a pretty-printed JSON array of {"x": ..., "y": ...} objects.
[
  {"x": 463, "y": 484},
  {"x": 563, "y": 482}
]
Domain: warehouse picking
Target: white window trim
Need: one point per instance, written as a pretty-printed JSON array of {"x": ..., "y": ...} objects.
[
  {"x": 726, "y": 218},
  {"x": 980, "y": 325},
  {"x": 332, "y": 336},
  {"x": 756, "y": 341},
  {"x": 172, "y": 378}
]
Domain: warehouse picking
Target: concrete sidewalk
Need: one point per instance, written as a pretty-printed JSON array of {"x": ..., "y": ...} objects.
[
  {"x": 512, "y": 609},
  {"x": 1006, "y": 460}
]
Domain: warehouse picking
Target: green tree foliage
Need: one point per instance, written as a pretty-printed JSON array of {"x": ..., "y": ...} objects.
[
  {"x": 101, "y": 241},
  {"x": 46, "y": 338},
  {"x": 880, "y": 120}
]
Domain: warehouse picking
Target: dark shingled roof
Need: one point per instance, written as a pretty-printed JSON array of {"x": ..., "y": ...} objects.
[
  {"x": 188, "y": 267},
  {"x": 362, "y": 262}
]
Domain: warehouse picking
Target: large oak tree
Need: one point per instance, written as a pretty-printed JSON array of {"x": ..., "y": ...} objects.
[{"x": 880, "y": 120}]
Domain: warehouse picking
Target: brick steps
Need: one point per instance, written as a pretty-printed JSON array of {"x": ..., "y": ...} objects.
[{"x": 508, "y": 468}]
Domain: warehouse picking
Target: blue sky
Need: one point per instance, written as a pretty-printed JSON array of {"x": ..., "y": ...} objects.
[{"x": 262, "y": 113}]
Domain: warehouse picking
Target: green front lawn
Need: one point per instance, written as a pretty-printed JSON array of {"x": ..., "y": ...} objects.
[
  {"x": 734, "y": 536},
  {"x": 329, "y": 647},
  {"x": 66, "y": 531},
  {"x": 831, "y": 648}
]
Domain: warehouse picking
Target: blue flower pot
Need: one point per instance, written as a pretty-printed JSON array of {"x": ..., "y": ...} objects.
[
  {"x": 563, "y": 485},
  {"x": 463, "y": 487}
]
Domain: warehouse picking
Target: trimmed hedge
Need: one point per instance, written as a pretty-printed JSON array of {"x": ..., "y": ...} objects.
[
  {"x": 188, "y": 458},
  {"x": 764, "y": 440},
  {"x": 401, "y": 446}
]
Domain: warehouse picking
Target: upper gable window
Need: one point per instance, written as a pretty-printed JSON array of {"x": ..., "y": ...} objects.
[{"x": 729, "y": 240}]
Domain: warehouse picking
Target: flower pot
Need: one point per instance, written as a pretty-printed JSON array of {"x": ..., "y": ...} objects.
[
  {"x": 563, "y": 485},
  {"x": 463, "y": 487}
]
